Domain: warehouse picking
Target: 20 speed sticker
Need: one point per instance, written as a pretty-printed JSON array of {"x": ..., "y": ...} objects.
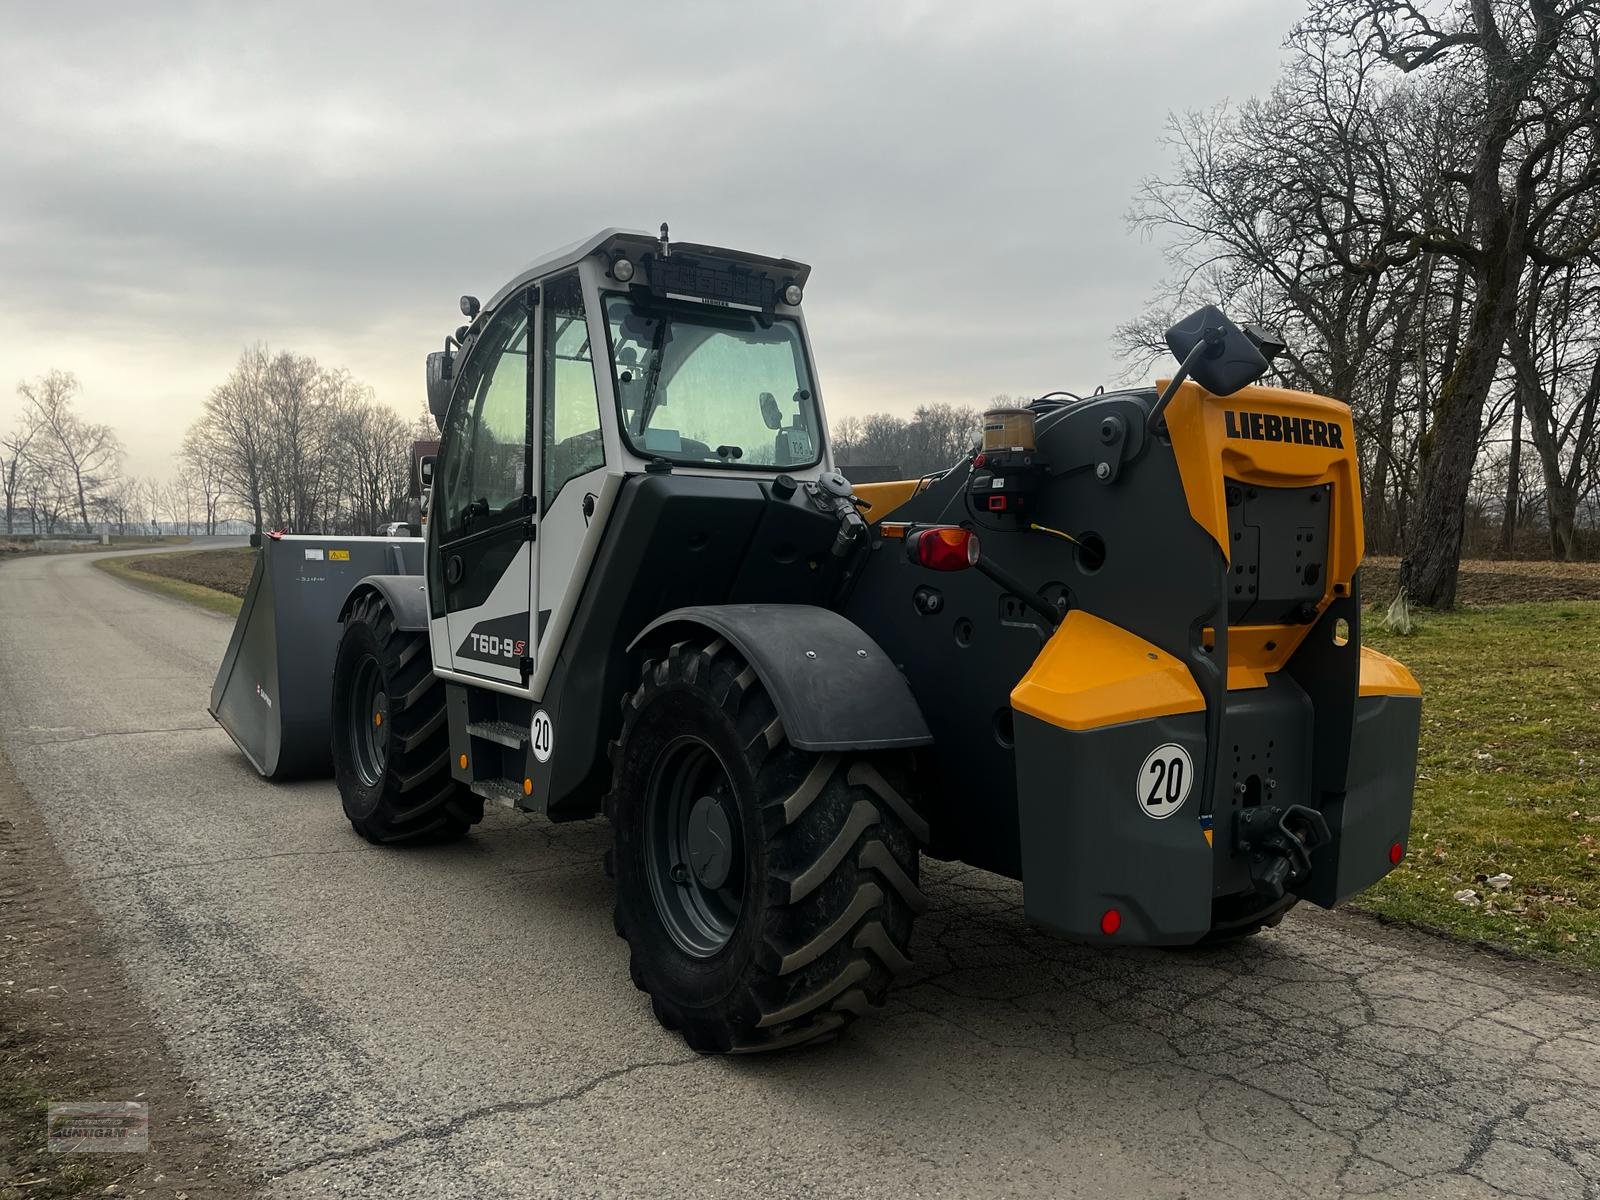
[
  {"x": 544, "y": 736},
  {"x": 1164, "y": 781}
]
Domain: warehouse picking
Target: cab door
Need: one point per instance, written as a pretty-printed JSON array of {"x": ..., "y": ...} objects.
[
  {"x": 572, "y": 495},
  {"x": 482, "y": 568}
]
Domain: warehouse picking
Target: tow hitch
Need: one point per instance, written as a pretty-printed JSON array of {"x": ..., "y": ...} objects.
[{"x": 1279, "y": 842}]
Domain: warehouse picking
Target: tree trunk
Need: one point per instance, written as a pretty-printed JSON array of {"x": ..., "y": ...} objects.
[
  {"x": 83, "y": 507},
  {"x": 1562, "y": 502},
  {"x": 1379, "y": 527},
  {"x": 1451, "y": 445},
  {"x": 1508, "y": 521}
]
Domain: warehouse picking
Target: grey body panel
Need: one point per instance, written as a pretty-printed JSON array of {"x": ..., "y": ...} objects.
[
  {"x": 1077, "y": 801},
  {"x": 1374, "y": 811},
  {"x": 403, "y": 593},
  {"x": 1162, "y": 577},
  {"x": 833, "y": 686},
  {"x": 273, "y": 692},
  {"x": 1087, "y": 847}
]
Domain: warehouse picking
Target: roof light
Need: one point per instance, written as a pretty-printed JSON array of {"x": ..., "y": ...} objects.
[
  {"x": 792, "y": 294},
  {"x": 622, "y": 270},
  {"x": 943, "y": 548}
]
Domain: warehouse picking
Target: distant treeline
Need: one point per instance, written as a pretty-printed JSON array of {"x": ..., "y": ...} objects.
[{"x": 934, "y": 437}]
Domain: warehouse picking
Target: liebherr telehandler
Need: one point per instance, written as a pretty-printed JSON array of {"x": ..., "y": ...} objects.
[{"x": 1114, "y": 653}]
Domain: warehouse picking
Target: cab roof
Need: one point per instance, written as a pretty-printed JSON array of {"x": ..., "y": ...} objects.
[{"x": 636, "y": 242}]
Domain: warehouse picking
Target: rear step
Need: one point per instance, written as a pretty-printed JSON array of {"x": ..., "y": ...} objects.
[
  {"x": 502, "y": 732},
  {"x": 498, "y": 791}
]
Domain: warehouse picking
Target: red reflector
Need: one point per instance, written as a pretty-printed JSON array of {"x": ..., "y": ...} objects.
[
  {"x": 997, "y": 504},
  {"x": 1110, "y": 922},
  {"x": 1396, "y": 853},
  {"x": 943, "y": 548},
  {"x": 979, "y": 459}
]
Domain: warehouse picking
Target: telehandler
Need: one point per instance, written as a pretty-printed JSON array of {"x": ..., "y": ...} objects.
[{"x": 1115, "y": 653}]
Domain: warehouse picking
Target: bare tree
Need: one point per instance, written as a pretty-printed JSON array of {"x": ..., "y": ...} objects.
[
  {"x": 1533, "y": 69},
  {"x": 1386, "y": 206},
  {"x": 85, "y": 456},
  {"x": 301, "y": 445},
  {"x": 15, "y": 464},
  {"x": 1555, "y": 348}
]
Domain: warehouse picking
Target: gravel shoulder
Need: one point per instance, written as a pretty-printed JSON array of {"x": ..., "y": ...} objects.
[{"x": 73, "y": 1028}]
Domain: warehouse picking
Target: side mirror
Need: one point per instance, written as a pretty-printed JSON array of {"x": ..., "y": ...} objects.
[
  {"x": 1218, "y": 355},
  {"x": 441, "y": 376},
  {"x": 425, "y": 470}
]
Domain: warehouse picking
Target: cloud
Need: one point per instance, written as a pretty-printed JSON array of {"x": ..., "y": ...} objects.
[{"x": 186, "y": 179}]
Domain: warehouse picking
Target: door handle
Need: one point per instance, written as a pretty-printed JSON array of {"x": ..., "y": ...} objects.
[{"x": 453, "y": 569}]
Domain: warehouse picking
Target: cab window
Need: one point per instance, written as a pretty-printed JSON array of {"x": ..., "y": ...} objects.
[
  {"x": 572, "y": 443},
  {"x": 483, "y": 475}
]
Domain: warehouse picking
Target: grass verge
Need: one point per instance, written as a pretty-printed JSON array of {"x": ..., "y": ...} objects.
[
  {"x": 1508, "y": 779},
  {"x": 176, "y": 589}
]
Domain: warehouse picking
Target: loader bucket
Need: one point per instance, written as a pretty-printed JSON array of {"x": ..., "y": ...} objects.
[{"x": 274, "y": 688}]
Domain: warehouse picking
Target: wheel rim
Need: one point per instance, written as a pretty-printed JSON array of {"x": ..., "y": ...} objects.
[
  {"x": 369, "y": 722},
  {"x": 694, "y": 847}
]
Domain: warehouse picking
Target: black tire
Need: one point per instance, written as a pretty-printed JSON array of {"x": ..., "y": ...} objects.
[
  {"x": 814, "y": 921},
  {"x": 391, "y": 747}
]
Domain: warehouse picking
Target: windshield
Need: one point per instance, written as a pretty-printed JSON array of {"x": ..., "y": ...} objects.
[{"x": 714, "y": 386}]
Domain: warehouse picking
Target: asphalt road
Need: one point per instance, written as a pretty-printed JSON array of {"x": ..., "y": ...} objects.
[{"x": 458, "y": 1021}]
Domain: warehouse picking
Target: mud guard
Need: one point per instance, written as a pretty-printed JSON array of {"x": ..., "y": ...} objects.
[
  {"x": 404, "y": 594},
  {"x": 834, "y": 688},
  {"x": 273, "y": 691}
]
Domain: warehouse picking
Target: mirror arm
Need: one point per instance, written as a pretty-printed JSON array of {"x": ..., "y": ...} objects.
[
  {"x": 1175, "y": 383},
  {"x": 1208, "y": 344}
]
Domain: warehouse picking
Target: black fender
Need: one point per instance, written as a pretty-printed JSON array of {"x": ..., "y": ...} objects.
[
  {"x": 403, "y": 593},
  {"x": 833, "y": 686}
]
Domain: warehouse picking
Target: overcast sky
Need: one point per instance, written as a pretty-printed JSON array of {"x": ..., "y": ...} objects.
[{"x": 177, "y": 181}]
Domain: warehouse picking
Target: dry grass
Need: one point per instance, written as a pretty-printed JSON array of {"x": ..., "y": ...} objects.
[
  {"x": 1484, "y": 582},
  {"x": 135, "y": 571}
]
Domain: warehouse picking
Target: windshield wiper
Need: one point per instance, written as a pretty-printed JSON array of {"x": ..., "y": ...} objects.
[{"x": 652, "y": 377}]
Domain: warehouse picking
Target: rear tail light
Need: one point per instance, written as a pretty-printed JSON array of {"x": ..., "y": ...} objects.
[{"x": 943, "y": 547}]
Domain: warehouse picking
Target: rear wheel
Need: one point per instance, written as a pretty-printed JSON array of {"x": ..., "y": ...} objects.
[
  {"x": 391, "y": 747},
  {"x": 766, "y": 893}
]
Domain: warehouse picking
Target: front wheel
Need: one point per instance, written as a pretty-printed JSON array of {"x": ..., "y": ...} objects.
[
  {"x": 766, "y": 893},
  {"x": 391, "y": 747}
]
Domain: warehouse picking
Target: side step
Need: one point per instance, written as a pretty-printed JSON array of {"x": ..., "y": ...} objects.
[
  {"x": 504, "y": 733},
  {"x": 498, "y": 791}
]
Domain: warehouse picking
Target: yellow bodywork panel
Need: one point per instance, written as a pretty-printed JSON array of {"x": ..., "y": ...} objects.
[
  {"x": 883, "y": 498},
  {"x": 1093, "y": 673},
  {"x": 1383, "y": 676},
  {"x": 1215, "y": 439}
]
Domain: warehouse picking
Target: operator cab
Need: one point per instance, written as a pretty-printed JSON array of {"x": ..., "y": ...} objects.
[{"x": 620, "y": 355}]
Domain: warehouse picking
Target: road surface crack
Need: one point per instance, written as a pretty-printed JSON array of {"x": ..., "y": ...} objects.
[
  {"x": 110, "y": 733},
  {"x": 220, "y": 862},
  {"x": 454, "y": 1125}
]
